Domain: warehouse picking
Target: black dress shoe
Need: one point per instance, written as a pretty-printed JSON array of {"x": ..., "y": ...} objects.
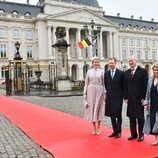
[
  {"x": 141, "y": 138},
  {"x": 132, "y": 137},
  {"x": 118, "y": 135},
  {"x": 112, "y": 134}
]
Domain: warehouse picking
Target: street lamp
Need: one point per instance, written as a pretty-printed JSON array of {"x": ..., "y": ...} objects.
[
  {"x": 17, "y": 54},
  {"x": 94, "y": 33}
]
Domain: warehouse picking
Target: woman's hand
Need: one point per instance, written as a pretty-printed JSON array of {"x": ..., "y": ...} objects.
[{"x": 87, "y": 106}]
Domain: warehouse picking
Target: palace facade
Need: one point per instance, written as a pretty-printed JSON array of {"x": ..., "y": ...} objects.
[{"x": 34, "y": 26}]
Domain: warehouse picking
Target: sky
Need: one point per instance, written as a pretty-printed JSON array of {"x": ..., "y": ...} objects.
[{"x": 145, "y": 8}]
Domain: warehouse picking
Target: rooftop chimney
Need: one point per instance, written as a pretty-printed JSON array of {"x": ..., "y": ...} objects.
[
  {"x": 152, "y": 19},
  {"x": 132, "y": 16},
  {"x": 118, "y": 14},
  {"x": 28, "y": 2},
  {"x": 141, "y": 18}
]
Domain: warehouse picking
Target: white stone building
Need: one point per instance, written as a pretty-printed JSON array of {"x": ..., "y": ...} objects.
[{"x": 34, "y": 27}]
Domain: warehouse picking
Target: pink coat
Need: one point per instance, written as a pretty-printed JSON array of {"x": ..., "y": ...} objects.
[{"x": 94, "y": 95}]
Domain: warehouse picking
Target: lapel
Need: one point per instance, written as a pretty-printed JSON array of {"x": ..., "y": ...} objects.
[{"x": 136, "y": 72}]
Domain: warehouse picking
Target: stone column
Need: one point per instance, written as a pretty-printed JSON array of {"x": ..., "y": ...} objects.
[
  {"x": 101, "y": 45},
  {"x": 23, "y": 44},
  {"x": 49, "y": 42},
  {"x": 68, "y": 41},
  {"x": 54, "y": 39},
  {"x": 116, "y": 53},
  {"x": 78, "y": 40},
  {"x": 11, "y": 48}
]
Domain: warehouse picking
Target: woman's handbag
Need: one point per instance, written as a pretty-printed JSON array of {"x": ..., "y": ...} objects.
[
  {"x": 155, "y": 128},
  {"x": 147, "y": 128}
]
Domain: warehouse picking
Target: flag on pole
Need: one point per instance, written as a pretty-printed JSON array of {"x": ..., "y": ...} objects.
[{"x": 84, "y": 43}]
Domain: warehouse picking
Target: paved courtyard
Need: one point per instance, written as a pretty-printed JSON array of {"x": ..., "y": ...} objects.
[{"x": 15, "y": 144}]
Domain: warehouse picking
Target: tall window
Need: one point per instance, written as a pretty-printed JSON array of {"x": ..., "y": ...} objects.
[
  {"x": 131, "y": 41},
  {"x": 138, "y": 54},
  {"x": 138, "y": 42},
  {"x": 30, "y": 72},
  {"x": 146, "y": 42},
  {"x": 123, "y": 40},
  {"x": 146, "y": 55},
  {"x": 29, "y": 34},
  {"x": 29, "y": 51},
  {"x": 2, "y": 32},
  {"x": 153, "y": 42},
  {"x": 16, "y": 33},
  {"x": 131, "y": 52},
  {"x": 124, "y": 54},
  {"x": 3, "y": 51},
  {"x": 3, "y": 72},
  {"x": 153, "y": 55}
]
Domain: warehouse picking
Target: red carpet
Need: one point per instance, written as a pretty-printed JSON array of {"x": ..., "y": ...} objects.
[{"x": 67, "y": 136}]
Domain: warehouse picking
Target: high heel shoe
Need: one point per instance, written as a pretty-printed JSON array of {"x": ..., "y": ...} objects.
[
  {"x": 154, "y": 143},
  {"x": 93, "y": 133}
]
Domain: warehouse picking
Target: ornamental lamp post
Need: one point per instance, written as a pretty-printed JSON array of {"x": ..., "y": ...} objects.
[{"x": 94, "y": 34}]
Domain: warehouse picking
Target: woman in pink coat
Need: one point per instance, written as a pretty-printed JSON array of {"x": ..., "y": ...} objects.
[{"x": 94, "y": 95}]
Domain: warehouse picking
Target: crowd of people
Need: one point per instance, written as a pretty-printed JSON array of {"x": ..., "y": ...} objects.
[{"x": 106, "y": 92}]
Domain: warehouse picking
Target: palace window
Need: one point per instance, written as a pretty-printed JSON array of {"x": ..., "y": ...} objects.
[
  {"x": 16, "y": 33},
  {"x": 138, "y": 42},
  {"x": 131, "y": 52},
  {"x": 29, "y": 51},
  {"x": 14, "y": 12},
  {"x": 153, "y": 55},
  {"x": 146, "y": 42},
  {"x": 27, "y": 13},
  {"x": 123, "y": 41},
  {"x": 29, "y": 34},
  {"x": 3, "y": 72},
  {"x": 146, "y": 55},
  {"x": 131, "y": 41},
  {"x": 2, "y": 11},
  {"x": 30, "y": 72},
  {"x": 3, "y": 51},
  {"x": 153, "y": 42},
  {"x": 124, "y": 54},
  {"x": 138, "y": 54},
  {"x": 2, "y": 32}
]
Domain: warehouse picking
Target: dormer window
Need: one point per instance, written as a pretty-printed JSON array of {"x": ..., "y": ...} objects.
[
  {"x": 2, "y": 11},
  {"x": 27, "y": 14},
  {"x": 15, "y": 12}
]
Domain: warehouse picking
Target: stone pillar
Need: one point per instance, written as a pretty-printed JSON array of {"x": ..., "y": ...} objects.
[
  {"x": 49, "y": 42},
  {"x": 79, "y": 39},
  {"x": 68, "y": 41},
  {"x": 116, "y": 53},
  {"x": 23, "y": 44},
  {"x": 101, "y": 45},
  {"x": 10, "y": 44},
  {"x": 54, "y": 39}
]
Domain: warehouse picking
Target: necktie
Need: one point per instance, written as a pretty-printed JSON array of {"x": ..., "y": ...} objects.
[
  {"x": 132, "y": 72},
  {"x": 112, "y": 74}
]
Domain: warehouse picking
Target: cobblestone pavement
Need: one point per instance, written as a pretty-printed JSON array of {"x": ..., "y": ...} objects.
[{"x": 16, "y": 144}]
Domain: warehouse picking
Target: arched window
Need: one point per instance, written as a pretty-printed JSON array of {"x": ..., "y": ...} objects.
[
  {"x": 14, "y": 12},
  {"x": 2, "y": 11},
  {"x": 27, "y": 13}
]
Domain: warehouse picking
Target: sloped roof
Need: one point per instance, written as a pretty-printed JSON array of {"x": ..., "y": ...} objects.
[
  {"x": 132, "y": 22},
  {"x": 9, "y": 7}
]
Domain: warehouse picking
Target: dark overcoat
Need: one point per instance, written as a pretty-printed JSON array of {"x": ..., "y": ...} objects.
[
  {"x": 114, "y": 95},
  {"x": 135, "y": 91}
]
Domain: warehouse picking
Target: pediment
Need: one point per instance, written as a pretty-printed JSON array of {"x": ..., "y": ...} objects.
[{"x": 81, "y": 15}]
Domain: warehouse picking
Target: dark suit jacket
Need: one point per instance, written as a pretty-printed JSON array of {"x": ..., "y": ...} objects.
[
  {"x": 114, "y": 95},
  {"x": 135, "y": 91}
]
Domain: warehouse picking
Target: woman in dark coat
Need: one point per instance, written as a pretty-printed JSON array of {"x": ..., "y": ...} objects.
[{"x": 151, "y": 101}]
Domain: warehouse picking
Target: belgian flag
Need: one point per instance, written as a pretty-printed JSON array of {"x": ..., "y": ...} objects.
[{"x": 84, "y": 43}]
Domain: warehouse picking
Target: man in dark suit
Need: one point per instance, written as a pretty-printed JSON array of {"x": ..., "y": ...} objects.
[
  {"x": 114, "y": 84},
  {"x": 135, "y": 89}
]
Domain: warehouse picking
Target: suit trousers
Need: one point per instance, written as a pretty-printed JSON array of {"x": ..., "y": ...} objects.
[
  {"x": 133, "y": 126},
  {"x": 116, "y": 124}
]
